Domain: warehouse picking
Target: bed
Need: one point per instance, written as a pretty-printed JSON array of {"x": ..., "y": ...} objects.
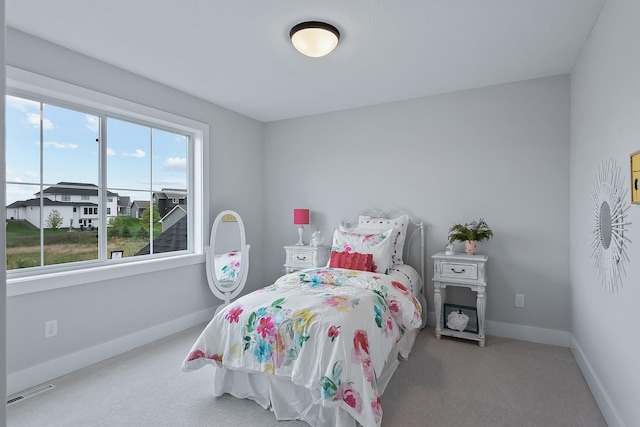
[{"x": 320, "y": 345}]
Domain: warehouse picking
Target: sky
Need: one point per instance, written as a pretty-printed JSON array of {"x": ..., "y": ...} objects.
[{"x": 138, "y": 157}]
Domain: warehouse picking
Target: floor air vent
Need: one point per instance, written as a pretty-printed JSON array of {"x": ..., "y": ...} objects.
[{"x": 29, "y": 393}]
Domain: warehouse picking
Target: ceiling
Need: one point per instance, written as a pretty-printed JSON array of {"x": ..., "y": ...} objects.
[{"x": 237, "y": 54}]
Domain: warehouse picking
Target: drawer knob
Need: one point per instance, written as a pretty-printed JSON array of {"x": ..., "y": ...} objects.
[
  {"x": 456, "y": 271},
  {"x": 301, "y": 258}
]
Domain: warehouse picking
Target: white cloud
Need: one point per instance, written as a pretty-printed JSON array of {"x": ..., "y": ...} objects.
[
  {"x": 60, "y": 146},
  {"x": 22, "y": 104},
  {"x": 16, "y": 179},
  {"x": 138, "y": 153},
  {"x": 110, "y": 152},
  {"x": 171, "y": 183},
  {"x": 92, "y": 123},
  {"x": 33, "y": 119},
  {"x": 175, "y": 163},
  {"x": 30, "y": 174}
]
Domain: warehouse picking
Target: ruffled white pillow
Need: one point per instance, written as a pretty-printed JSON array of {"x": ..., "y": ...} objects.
[
  {"x": 377, "y": 243},
  {"x": 400, "y": 224}
]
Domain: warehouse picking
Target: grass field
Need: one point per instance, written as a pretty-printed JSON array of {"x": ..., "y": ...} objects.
[{"x": 62, "y": 246}]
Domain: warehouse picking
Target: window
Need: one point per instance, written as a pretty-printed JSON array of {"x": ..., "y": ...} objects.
[{"x": 137, "y": 150}]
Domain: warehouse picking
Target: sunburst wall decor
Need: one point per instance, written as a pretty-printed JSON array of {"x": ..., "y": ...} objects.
[{"x": 609, "y": 206}]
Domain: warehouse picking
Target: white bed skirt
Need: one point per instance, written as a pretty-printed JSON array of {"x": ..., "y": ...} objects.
[{"x": 289, "y": 401}]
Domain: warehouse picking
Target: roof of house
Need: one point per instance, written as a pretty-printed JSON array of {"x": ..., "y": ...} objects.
[
  {"x": 140, "y": 203},
  {"x": 183, "y": 208},
  {"x": 47, "y": 202},
  {"x": 74, "y": 188},
  {"x": 124, "y": 201},
  {"x": 172, "y": 239},
  {"x": 171, "y": 193}
]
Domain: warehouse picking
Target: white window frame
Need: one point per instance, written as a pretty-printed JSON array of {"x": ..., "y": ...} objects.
[{"x": 27, "y": 84}]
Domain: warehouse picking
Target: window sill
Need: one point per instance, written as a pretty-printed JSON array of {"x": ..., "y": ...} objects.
[{"x": 51, "y": 281}]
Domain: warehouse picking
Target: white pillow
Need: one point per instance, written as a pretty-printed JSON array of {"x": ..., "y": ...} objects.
[
  {"x": 379, "y": 244},
  {"x": 400, "y": 224}
]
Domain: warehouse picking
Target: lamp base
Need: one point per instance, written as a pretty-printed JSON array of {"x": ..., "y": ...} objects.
[{"x": 300, "y": 233}]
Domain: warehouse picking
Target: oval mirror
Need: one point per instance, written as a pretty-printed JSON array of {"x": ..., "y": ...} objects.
[
  {"x": 227, "y": 257},
  {"x": 605, "y": 225}
]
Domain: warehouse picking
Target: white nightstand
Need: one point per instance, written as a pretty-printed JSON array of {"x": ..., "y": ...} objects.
[
  {"x": 468, "y": 271},
  {"x": 299, "y": 257}
]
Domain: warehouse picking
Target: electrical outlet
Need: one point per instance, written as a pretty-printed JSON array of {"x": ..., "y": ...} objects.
[
  {"x": 519, "y": 300},
  {"x": 51, "y": 328}
]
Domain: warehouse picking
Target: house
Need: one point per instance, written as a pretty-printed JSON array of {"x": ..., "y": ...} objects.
[
  {"x": 124, "y": 205},
  {"x": 77, "y": 203},
  {"x": 137, "y": 208},
  {"x": 168, "y": 198},
  {"x": 174, "y": 215},
  {"x": 522, "y": 153}
]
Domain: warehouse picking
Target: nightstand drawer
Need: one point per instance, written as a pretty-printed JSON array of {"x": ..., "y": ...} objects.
[
  {"x": 300, "y": 258},
  {"x": 459, "y": 270}
]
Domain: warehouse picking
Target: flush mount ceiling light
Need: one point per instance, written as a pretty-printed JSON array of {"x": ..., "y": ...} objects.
[{"x": 314, "y": 39}]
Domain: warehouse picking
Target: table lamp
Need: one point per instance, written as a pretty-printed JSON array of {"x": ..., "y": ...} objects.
[{"x": 301, "y": 218}]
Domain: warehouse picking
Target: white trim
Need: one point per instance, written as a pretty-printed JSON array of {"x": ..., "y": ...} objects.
[
  {"x": 21, "y": 282},
  {"x": 114, "y": 270},
  {"x": 520, "y": 332},
  {"x": 529, "y": 333},
  {"x": 47, "y": 371},
  {"x": 609, "y": 411}
]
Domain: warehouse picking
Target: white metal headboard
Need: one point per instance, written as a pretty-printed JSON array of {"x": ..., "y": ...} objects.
[{"x": 389, "y": 213}]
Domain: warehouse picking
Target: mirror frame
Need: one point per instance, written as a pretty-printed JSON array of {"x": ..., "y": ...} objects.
[
  {"x": 226, "y": 293},
  {"x": 609, "y": 241}
]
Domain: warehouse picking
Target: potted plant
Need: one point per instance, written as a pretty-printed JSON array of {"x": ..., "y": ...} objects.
[{"x": 470, "y": 233}]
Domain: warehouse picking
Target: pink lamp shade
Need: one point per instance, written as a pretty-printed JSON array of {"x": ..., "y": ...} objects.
[{"x": 301, "y": 216}]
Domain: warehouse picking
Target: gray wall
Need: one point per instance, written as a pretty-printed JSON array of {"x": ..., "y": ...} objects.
[
  {"x": 100, "y": 311},
  {"x": 605, "y": 123},
  {"x": 500, "y": 152}
]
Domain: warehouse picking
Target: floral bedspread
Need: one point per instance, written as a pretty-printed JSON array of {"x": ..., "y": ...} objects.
[{"x": 328, "y": 330}]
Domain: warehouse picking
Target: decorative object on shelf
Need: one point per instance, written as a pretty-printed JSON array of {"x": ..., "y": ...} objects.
[
  {"x": 301, "y": 218},
  {"x": 470, "y": 233},
  {"x": 457, "y": 320},
  {"x": 608, "y": 208},
  {"x": 314, "y": 39},
  {"x": 449, "y": 249},
  {"x": 316, "y": 238},
  {"x": 635, "y": 177}
]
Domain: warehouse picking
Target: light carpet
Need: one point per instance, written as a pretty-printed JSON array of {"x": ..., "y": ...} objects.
[{"x": 446, "y": 382}]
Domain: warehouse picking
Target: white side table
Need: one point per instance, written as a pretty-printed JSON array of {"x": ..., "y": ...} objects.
[
  {"x": 468, "y": 271},
  {"x": 299, "y": 257}
]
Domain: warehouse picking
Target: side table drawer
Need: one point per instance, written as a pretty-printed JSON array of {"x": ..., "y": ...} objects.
[
  {"x": 300, "y": 258},
  {"x": 459, "y": 270}
]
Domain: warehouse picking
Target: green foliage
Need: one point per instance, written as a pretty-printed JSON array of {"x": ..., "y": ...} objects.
[
  {"x": 125, "y": 232},
  {"x": 146, "y": 216},
  {"x": 142, "y": 233},
  {"x": 476, "y": 230},
  {"x": 71, "y": 238},
  {"x": 54, "y": 220}
]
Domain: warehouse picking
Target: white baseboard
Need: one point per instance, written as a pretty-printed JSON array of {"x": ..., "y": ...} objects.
[
  {"x": 47, "y": 371},
  {"x": 601, "y": 396},
  {"x": 520, "y": 332}
]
